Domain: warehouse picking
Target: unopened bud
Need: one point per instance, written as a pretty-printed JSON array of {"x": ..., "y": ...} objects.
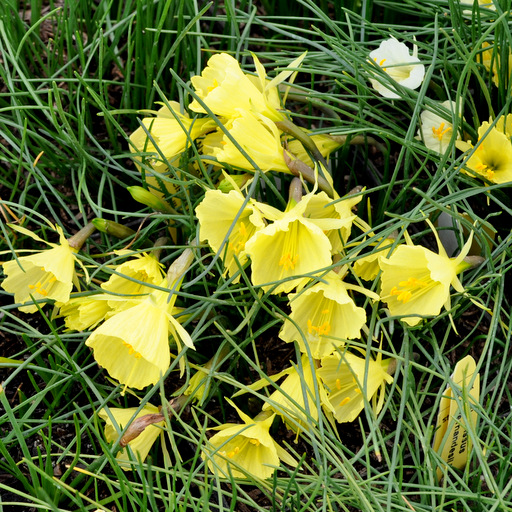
[
  {"x": 112, "y": 228},
  {"x": 143, "y": 196},
  {"x": 180, "y": 266}
]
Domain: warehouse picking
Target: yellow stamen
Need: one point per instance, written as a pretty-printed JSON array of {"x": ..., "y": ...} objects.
[
  {"x": 42, "y": 287},
  {"x": 405, "y": 295},
  {"x": 214, "y": 85},
  {"x": 380, "y": 63},
  {"x": 322, "y": 330},
  {"x": 439, "y": 132},
  {"x": 338, "y": 384},
  {"x": 234, "y": 452},
  {"x": 255, "y": 442},
  {"x": 132, "y": 351},
  {"x": 288, "y": 262},
  {"x": 345, "y": 401}
]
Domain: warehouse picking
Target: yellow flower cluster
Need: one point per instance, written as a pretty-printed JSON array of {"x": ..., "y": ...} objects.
[{"x": 239, "y": 121}]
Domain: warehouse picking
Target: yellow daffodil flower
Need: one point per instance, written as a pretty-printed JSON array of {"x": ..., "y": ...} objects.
[
  {"x": 321, "y": 206},
  {"x": 225, "y": 88},
  {"x": 247, "y": 448},
  {"x": 141, "y": 445},
  {"x": 129, "y": 280},
  {"x": 289, "y": 401},
  {"x": 367, "y": 267},
  {"x": 395, "y": 60},
  {"x": 351, "y": 381},
  {"x": 324, "y": 315},
  {"x": 216, "y": 214},
  {"x": 81, "y": 313},
  {"x": 292, "y": 245},
  {"x": 133, "y": 345},
  {"x": 491, "y": 156},
  {"x": 171, "y": 133},
  {"x": 47, "y": 274},
  {"x": 436, "y": 131},
  {"x": 416, "y": 281},
  {"x": 257, "y": 135}
]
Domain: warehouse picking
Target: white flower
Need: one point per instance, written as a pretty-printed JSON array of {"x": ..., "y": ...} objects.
[
  {"x": 394, "y": 58},
  {"x": 435, "y": 131}
]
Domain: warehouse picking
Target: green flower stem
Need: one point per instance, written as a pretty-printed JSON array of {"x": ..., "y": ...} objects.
[
  {"x": 291, "y": 129},
  {"x": 300, "y": 169},
  {"x": 469, "y": 262},
  {"x": 78, "y": 239}
]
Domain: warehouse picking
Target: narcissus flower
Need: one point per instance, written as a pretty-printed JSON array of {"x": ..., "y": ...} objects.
[
  {"x": 140, "y": 445},
  {"x": 225, "y": 88},
  {"x": 130, "y": 280},
  {"x": 81, "y": 313},
  {"x": 47, "y": 274},
  {"x": 321, "y": 206},
  {"x": 417, "y": 281},
  {"x": 351, "y": 381},
  {"x": 257, "y": 135},
  {"x": 436, "y": 131},
  {"x": 491, "y": 156},
  {"x": 245, "y": 449},
  {"x": 395, "y": 60},
  {"x": 170, "y": 131},
  {"x": 291, "y": 246},
  {"x": 217, "y": 213},
  {"x": 133, "y": 345},
  {"x": 289, "y": 401},
  {"x": 324, "y": 316}
]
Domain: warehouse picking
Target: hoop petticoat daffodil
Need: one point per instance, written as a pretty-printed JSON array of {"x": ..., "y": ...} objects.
[
  {"x": 141, "y": 444},
  {"x": 292, "y": 245},
  {"x": 132, "y": 279},
  {"x": 257, "y": 135},
  {"x": 133, "y": 345},
  {"x": 48, "y": 274},
  {"x": 295, "y": 389},
  {"x": 417, "y": 281},
  {"x": 170, "y": 131},
  {"x": 225, "y": 88},
  {"x": 395, "y": 60},
  {"x": 351, "y": 381},
  {"x": 217, "y": 213},
  {"x": 324, "y": 315},
  {"x": 436, "y": 131},
  {"x": 491, "y": 157},
  {"x": 321, "y": 206},
  {"x": 246, "y": 448}
]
